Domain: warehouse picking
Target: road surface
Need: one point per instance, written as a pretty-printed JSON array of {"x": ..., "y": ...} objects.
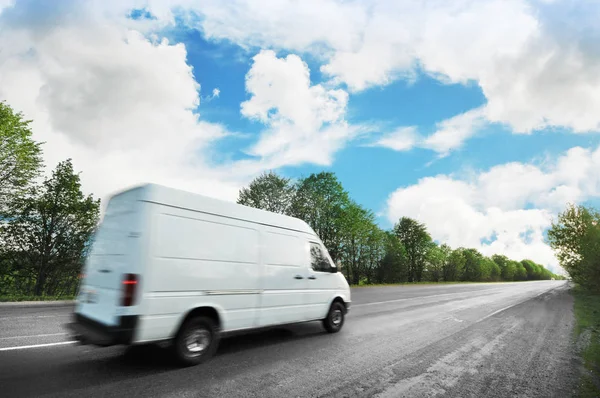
[{"x": 471, "y": 340}]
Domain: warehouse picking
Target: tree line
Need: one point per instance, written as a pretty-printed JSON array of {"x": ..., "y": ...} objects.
[
  {"x": 46, "y": 224},
  {"x": 368, "y": 254}
]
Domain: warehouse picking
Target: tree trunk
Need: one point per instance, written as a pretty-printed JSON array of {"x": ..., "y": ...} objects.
[{"x": 39, "y": 283}]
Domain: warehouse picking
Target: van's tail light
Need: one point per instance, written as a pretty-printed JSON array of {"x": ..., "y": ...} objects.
[{"x": 130, "y": 283}]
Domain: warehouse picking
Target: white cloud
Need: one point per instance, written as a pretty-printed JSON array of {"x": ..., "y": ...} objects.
[
  {"x": 294, "y": 25},
  {"x": 502, "y": 210},
  {"x": 5, "y": 4},
  {"x": 452, "y": 133},
  {"x": 121, "y": 101},
  {"x": 119, "y": 104},
  {"x": 305, "y": 123},
  {"x": 215, "y": 94},
  {"x": 535, "y": 61},
  {"x": 402, "y": 139}
]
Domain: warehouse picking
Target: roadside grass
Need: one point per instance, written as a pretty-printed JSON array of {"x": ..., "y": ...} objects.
[
  {"x": 13, "y": 298},
  {"x": 587, "y": 336}
]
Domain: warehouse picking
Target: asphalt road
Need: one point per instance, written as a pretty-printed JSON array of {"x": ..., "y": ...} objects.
[{"x": 474, "y": 340}]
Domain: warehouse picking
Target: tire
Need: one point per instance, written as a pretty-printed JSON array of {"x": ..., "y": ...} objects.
[
  {"x": 196, "y": 341},
  {"x": 335, "y": 318}
]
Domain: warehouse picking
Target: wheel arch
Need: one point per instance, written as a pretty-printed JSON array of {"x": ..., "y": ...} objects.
[{"x": 205, "y": 310}]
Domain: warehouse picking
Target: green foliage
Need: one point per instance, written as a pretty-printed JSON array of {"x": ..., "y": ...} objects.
[
  {"x": 532, "y": 270},
  {"x": 269, "y": 192},
  {"x": 321, "y": 201},
  {"x": 416, "y": 240},
  {"x": 46, "y": 236},
  {"x": 575, "y": 238},
  {"x": 520, "y": 271},
  {"x": 435, "y": 259},
  {"x": 507, "y": 267},
  {"x": 494, "y": 269},
  {"x": 472, "y": 270},
  {"x": 20, "y": 156},
  {"x": 361, "y": 242},
  {"x": 455, "y": 266},
  {"x": 393, "y": 267}
]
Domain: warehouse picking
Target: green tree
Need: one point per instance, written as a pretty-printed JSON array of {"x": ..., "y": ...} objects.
[
  {"x": 575, "y": 238},
  {"x": 20, "y": 156},
  {"x": 270, "y": 192},
  {"x": 436, "y": 258},
  {"x": 507, "y": 268},
  {"x": 520, "y": 271},
  {"x": 374, "y": 250},
  {"x": 48, "y": 233},
  {"x": 358, "y": 242},
  {"x": 321, "y": 201},
  {"x": 490, "y": 270},
  {"x": 393, "y": 267},
  {"x": 496, "y": 275},
  {"x": 455, "y": 265},
  {"x": 531, "y": 269},
  {"x": 473, "y": 265},
  {"x": 416, "y": 240}
]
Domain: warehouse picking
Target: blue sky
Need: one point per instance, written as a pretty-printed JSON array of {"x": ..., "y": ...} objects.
[
  {"x": 480, "y": 119},
  {"x": 422, "y": 101}
]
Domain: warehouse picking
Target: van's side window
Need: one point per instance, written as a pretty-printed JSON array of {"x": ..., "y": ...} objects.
[{"x": 318, "y": 261}]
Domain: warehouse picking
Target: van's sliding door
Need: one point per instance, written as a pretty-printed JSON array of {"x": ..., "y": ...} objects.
[{"x": 283, "y": 279}]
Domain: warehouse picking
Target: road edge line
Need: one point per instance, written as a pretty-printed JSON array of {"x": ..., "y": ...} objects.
[
  {"x": 33, "y": 304},
  {"x": 25, "y": 347}
]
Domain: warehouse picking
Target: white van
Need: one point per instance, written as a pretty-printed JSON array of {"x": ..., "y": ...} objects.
[{"x": 171, "y": 266}]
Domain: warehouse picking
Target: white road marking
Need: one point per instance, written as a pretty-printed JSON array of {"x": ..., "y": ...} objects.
[
  {"x": 25, "y": 347},
  {"x": 37, "y": 316},
  {"x": 34, "y": 335}
]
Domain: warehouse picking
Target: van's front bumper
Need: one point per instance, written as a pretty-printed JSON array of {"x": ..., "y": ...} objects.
[{"x": 89, "y": 331}]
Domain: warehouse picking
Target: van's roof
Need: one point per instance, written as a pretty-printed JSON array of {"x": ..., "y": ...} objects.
[{"x": 187, "y": 200}]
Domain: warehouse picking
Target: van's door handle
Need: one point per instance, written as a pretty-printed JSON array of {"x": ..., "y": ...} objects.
[
  {"x": 312, "y": 277},
  {"x": 298, "y": 277}
]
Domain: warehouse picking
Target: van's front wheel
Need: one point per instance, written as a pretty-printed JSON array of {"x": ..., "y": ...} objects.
[
  {"x": 335, "y": 318},
  {"x": 196, "y": 341}
]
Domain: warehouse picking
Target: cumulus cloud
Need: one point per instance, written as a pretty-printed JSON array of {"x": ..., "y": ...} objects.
[
  {"x": 122, "y": 101},
  {"x": 536, "y": 67},
  {"x": 304, "y": 122},
  {"x": 505, "y": 209},
  {"x": 120, "y": 104}
]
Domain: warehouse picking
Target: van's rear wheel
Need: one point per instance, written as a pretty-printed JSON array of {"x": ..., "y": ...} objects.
[
  {"x": 196, "y": 341},
  {"x": 335, "y": 318}
]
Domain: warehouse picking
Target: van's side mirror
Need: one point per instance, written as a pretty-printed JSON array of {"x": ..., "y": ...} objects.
[{"x": 337, "y": 268}]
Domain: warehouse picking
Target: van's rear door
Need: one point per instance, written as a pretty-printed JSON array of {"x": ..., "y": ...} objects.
[{"x": 112, "y": 256}]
